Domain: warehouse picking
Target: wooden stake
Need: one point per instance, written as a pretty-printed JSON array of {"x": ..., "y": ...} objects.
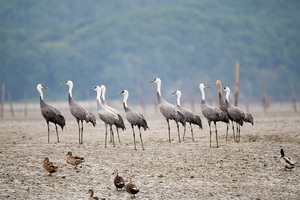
[
  {"x": 25, "y": 104},
  {"x": 10, "y": 104},
  {"x": 293, "y": 98},
  {"x": 2, "y": 99},
  {"x": 236, "y": 88}
]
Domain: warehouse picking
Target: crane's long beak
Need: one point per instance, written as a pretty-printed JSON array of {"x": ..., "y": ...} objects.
[
  {"x": 62, "y": 83},
  {"x": 93, "y": 88},
  {"x": 151, "y": 81},
  {"x": 173, "y": 92}
]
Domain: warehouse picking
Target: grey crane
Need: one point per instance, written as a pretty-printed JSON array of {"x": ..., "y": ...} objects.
[
  {"x": 134, "y": 118},
  {"x": 107, "y": 116},
  {"x": 223, "y": 106},
  {"x": 236, "y": 113},
  {"x": 79, "y": 112},
  {"x": 120, "y": 123},
  {"x": 211, "y": 113},
  {"x": 50, "y": 113},
  {"x": 169, "y": 111},
  {"x": 189, "y": 116}
]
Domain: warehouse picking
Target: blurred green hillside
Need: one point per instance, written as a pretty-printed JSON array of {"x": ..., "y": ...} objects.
[{"x": 125, "y": 44}]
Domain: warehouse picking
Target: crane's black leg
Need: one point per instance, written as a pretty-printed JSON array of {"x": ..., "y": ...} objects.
[
  {"x": 141, "y": 139},
  {"x": 81, "y": 142},
  {"x": 169, "y": 131},
  {"x": 178, "y": 131},
  {"x": 184, "y": 132},
  {"x": 192, "y": 132},
  {"x": 234, "y": 138},
  {"x": 48, "y": 132},
  {"x": 78, "y": 129},
  {"x": 227, "y": 131},
  {"x": 112, "y": 135},
  {"x": 133, "y": 137},
  {"x": 209, "y": 134},
  {"x": 118, "y": 135},
  {"x": 105, "y": 135},
  {"x": 216, "y": 134},
  {"x": 56, "y": 133}
]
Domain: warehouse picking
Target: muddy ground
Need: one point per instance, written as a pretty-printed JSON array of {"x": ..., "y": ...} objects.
[{"x": 249, "y": 169}]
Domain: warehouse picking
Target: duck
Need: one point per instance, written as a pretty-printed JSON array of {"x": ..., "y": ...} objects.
[
  {"x": 74, "y": 160},
  {"x": 286, "y": 161},
  {"x": 91, "y": 192},
  {"x": 131, "y": 188},
  {"x": 49, "y": 166},
  {"x": 118, "y": 181}
]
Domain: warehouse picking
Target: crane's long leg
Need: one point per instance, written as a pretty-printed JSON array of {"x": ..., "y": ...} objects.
[
  {"x": 209, "y": 134},
  {"x": 48, "y": 132},
  {"x": 184, "y": 132},
  {"x": 81, "y": 142},
  {"x": 178, "y": 131},
  {"x": 227, "y": 131},
  {"x": 105, "y": 135},
  {"x": 112, "y": 135},
  {"x": 216, "y": 134},
  {"x": 234, "y": 138},
  {"x": 78, "y": 129},
  {"x": 141, "y": 139},
  {"x": 56, "y": 133},
  {"x": 133, "y": 137},
  {"x": 169, "y": 131},
  {"x": 192, "y": 132},
  {"x": 118, "y": 135}
]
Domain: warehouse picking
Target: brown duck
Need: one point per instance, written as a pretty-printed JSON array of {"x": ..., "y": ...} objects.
[
  {"x": 49, "y": 166},
  {"x": 74, "y": 160},
  {"x": 131, "y": 188},
  {"x": 91, "y": 192},
  {"x": 118, "y": 181}
]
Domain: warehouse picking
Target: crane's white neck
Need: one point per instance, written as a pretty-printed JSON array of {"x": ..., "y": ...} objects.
[
  {"x": 103, "y": 88},
  {"x": 126, "y": 95},
  {"x": 98, "y": 95},
  {"x": 202, "y": 92},
  {"x": 227, "y": 90},
  {"x": 70, "y": 84},
  {"x": 178, "y": 93},
  {"x": 158, "y": 82},
  {"x": 39, "y": 89}
]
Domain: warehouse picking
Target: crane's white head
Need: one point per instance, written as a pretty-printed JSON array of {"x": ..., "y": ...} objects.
[
  {"x": 177, "y": 92},
  {"x": 124, "y": 93},
  {"x": 69, "y": 83},
  {"x": 39, "y": 88},
  {"x": 226, "y": 89},
  {"x": 96, "y": 88},
  {"x": 156, "y": 80},
  {"x": 202, "y": 86}
]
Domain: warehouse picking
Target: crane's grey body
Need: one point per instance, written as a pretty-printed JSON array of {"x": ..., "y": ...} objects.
[
  {"x": 236, "y": 113},
  {"x": 169, "y": 111},
  {"x": 80, "y": 113},
  {"x": 120, "y": 123},
  {"x": 134, "y": 118},
  {"x": 188, "y": 115},
  {"x": 50, "y": 113},
  {"x": 211, "y": 113},
  {"x": 107, "y": 116}
]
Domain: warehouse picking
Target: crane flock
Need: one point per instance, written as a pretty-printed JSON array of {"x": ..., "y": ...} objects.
[{"x": 112, "y": 117}]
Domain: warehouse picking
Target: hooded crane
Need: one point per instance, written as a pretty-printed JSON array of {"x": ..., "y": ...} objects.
[
  {"x": 80, "y": 113},
  {"x": 223, "y": 107},
  {"x": 120, "y": 123},
  {"x": 107, "y": 116},
  {"x": 236, "y": 113},
  {"x": 134, "y": 118},
  {"x": 286, "y": 161},
  {"x": 189, "y": 116},
  {"x": 169, "y": 111},
  {"x": 211, "y": 113},
  {"x": 50, "y": 113}
]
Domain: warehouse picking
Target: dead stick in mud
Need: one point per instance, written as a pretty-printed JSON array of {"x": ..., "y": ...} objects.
[
  {"x": 10, "y": 104},
  {"x": 2, "y": 99},
  {"x": 236, "y": 88},
  {"x": 25, "y": 104},
  {"x": 293, "y": 98}
]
